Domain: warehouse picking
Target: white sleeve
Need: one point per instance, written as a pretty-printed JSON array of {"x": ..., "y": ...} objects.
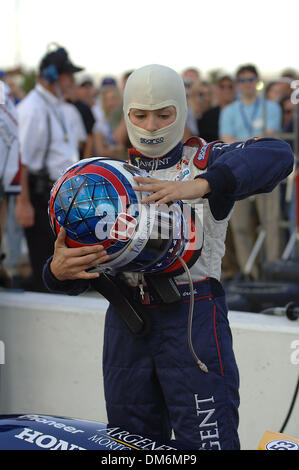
[
  {"x": 33, "y": 134},
  {"x": 9, "y": 147}
]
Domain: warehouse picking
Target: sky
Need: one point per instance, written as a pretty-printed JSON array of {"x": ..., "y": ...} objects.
[{"x": 109, "y": 37}]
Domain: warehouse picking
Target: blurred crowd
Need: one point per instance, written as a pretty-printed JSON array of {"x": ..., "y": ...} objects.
[{"x": 69, "y": 115}]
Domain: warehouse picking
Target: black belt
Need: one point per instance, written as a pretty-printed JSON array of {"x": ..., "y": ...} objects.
[
  {"x": 204, "y": 288},
  {"x": 131, "y": 306}
]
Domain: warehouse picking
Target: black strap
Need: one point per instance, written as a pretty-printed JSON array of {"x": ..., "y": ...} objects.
[
  {"x": 164, "y": 287},
  {"x": 46, "y": 153},
  {"x": 119, "y": 294},
  {"x": 39, "y": 181}
]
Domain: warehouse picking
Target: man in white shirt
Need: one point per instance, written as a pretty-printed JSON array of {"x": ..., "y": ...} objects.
[{"x": 48, "y": 147}]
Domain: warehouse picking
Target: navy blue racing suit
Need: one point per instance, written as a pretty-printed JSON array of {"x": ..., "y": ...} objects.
[{"x": 152, "y": 384}]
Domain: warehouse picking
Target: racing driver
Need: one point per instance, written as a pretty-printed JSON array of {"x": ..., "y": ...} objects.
[{"x": 152, "y": 383}]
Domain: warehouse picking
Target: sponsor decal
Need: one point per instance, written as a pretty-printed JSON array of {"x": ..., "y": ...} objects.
[
  {"x": 110, "y": 439},
  {"x": 201, "y": 158},
  {"x": 52, "y": 422},
  {"x": 188, "y": 293},
  {"x": 41, "y": 432},
  {"x": 201, "y": 154},
  {"x": 134, "y": 440},
  {"x": 282, "y": 444},
  {"x": 294, "y": 354},
  {"x": 150, "y": 164},
  {"x": 208, "y": 426},
  {"x": 182, "y": 175},
  {"x": 158, "y": 140},
  {"x": 46, "y": 441}
]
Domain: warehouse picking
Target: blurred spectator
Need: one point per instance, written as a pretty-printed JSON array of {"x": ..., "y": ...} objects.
[
  {"x": 208, "y": 129},
  {"x": 272, "y": 91},
  {"x": 97, "y": 110},
  {"x": 85, "y": 90},
  {"x": 105, "y": 143},
  {"x": 290, "y": 73},
  {"x": 117, "y": 122},
  {"x": 208, "y": 123},
  {"x": 97, "y": 107},
  {"x": 200, "y": 100},
  {"x": 288, "y": 109},
  {"x": 190, "y": 76},
  {"x": 17, "y": 93},
  {"x": 78, "y": 131},
  {"x": 82, "y": 96},
  {"x": 10, "y": 164},
  {"x": 285, "y": 86},
  {"x": 251, "y": 116},
  {"x": 8, "y": 77},
  {"x": 288, "y": 200},
  {"x": 276, "y": 90},
  {"x": 48, "y": 147},
  {"x": 107, "y": 82}
]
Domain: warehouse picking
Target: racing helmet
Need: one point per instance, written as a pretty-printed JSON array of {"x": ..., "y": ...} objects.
[{"x": 95, "y": 202}]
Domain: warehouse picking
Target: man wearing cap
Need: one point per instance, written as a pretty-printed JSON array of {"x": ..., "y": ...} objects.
[{"x": 48, "y": 147}]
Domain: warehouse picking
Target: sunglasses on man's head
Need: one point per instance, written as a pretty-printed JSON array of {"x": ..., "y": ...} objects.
[{"x": 244, "y": 80}]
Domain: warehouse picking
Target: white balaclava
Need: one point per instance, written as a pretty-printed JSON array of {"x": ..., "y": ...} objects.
[{"x": 149, "y": 88}]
